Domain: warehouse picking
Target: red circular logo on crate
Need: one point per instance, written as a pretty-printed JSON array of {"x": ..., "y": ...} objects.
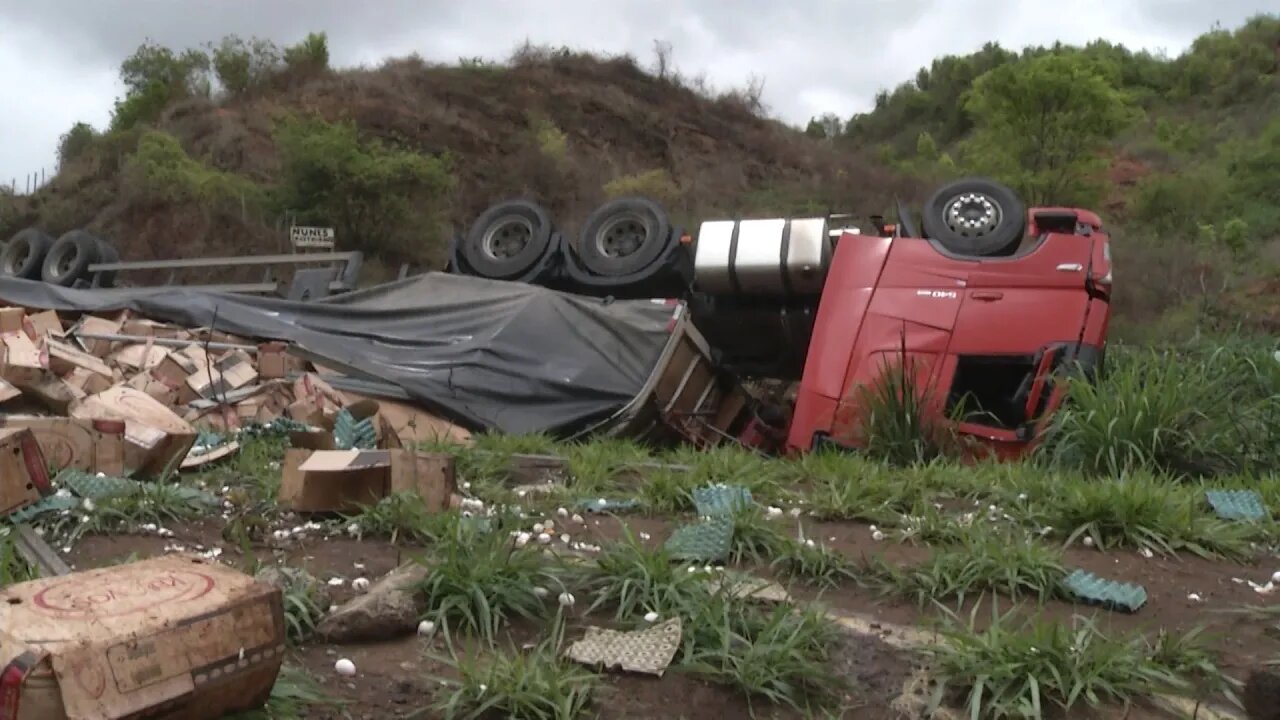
[{"x": 112, "y": 596}]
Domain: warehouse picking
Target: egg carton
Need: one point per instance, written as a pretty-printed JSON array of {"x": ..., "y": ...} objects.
[
  {"x": 719, "y": 500},
  {"x": 1112, "y": 595},
  {"x": 706, "y": 541},
  {"x": 1237, "y": 504},
  {"x": 352, "y": 434},
  {"x": 43, "y": 506},
  {"x": 89, "y": 485}
]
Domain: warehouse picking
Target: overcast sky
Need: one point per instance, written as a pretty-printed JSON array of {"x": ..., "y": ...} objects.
[{"x": 59, "y": 58}]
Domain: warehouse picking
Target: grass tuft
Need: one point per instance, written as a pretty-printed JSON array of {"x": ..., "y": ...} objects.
[
  {"x": 477, "y": 581},
  {"x": 632, "y": 580},
  {"x": 1027, "y": 671},
  {"x": 813, "y": 563},
  {"x": 983, "y": 563},
  {"x": 538, "y": 684}
]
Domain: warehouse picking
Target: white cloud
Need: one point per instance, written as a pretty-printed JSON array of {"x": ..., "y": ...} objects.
[{"x": 58, "y": 58}]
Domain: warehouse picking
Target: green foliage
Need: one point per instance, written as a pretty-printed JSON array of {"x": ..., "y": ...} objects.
[
  {"x": 632, "y": 580},
  {"x": 1207, "y": 409},
  {"x": 1041, "y": 123},
  {"x": 74, "y": 143},
  {"x": 536, "y": 684},
  {"x": 155, "y": 76},
  {"x": 477, "y": 581},
  {"x": 551, "y": 141},
  {"x": 243, "y": 64},
  {"x": 310, "y": 55},
  {"x": 378, "y": 197},
  {"x": 895, "y": 424},
  {"x": 656, "y": 184},
  {"x": 813, "y": 563},
  {"x": 1028, "y": 671},
  {"x": 983, "y": 562},
  {"x": 162, "y": 170},
  {"x": 1224, "y": 67}
]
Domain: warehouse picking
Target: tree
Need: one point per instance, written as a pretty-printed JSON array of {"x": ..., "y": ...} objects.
[
  {"x": 1042, "y": 124},
  {"x": 829, "y": 126},
  {"x": 153, "y": 77}
]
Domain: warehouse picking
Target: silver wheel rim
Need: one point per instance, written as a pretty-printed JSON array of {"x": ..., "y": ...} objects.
[
  {"x": 62, "y": 264},
  {"x": 507, "y": 237},
  {"x": 972, "y": 214},
  {"x": 19, "y": 259},
  {"x": 621, "y": 236}
]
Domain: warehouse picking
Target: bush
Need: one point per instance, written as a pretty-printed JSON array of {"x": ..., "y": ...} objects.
[
  {"x": 310, "y": 55},
  {"x": 153, "y": 77},
  {"x": 241, "y": 65},
  {"x": 162, "y": 170},
  {"x": 378, "y": 197},
  {"x": 74, "y": 143},
  {"x": 1207, "y": 409}
]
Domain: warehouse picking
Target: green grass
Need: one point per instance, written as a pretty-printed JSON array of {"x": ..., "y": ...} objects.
[
  {"x": 399, "y": 517},
  {"x": 1044, "y": 665},
  {"x": 631, "y": 580},
  {"x": 1016, "y": 567},
  {"x": 537, "y": 684},
  {"x": 478, "y": 581},
  {"x": 13, "y": 567},
  {"x": 813, "y": 563},
  {"x": 1143, "y": 511},
  {"x": 151, "y": 503},
  {"x": 756, "y": 538},
  {"x": 781, "y": 656}
]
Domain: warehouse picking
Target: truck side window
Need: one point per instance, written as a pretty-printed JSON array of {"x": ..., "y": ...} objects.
[{"x": 987, "y": 388}]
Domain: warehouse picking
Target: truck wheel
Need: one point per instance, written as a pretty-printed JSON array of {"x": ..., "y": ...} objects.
[
  {"x": 507, "y": 239},
  {"x": 69, "y": 258},
  {"x": 623, "y": 236},
  {"x": 976, "y": 217},
  {"x": 106, "y": 254},
  {"x": 24, "y": 255}
]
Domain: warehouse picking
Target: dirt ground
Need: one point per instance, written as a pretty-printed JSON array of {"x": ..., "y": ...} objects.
[{"x": 395, "y": 678}]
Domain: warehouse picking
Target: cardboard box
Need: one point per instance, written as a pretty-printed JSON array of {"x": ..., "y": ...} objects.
[
  {"x": 55, "y": 393},
  {"x": 170, "y": 637},
  {"x": 412, "y": 425},
  {"x": 345, "y": 480},
  {"x": 46, "y": 324},
  {"x": 90, "y": 382},
  {"x": 178, "y": 365},
  {"x": 156, "y": 439},
  {"x": 21, "y": 362},
  {"x": 24, "y": 474},
  {"x": 98, "y": 326},
  {"x": 139, "y": 356},
  {"x": 11, "y": 320},
  {"x": 8, "y": 391},
  {"x": 65, "y": 359},
  {"x": 95, "y": 446},
  {"x": 230, "y": 372}
]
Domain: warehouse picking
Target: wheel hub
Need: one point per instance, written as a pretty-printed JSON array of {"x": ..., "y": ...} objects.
[
  {"x": 621, "y": 236},
  {"x": 973, "y": 214},
  {"x": 508, "y": 237}
]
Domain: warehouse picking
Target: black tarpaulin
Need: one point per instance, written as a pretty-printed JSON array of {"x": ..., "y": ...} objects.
[{"x": 510, "y": 357}]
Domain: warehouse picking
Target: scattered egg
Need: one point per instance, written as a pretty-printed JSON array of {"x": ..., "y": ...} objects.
[
  {"x": 645, "y": 536},
  {"x": 360, "y": 584},
  {"x": 1146, "y": 553},
  {"x": 795, "y": 512},
  {"x": 562, "y": 512},
  {"x": 541, "y": 592},
  {"x": 564, "y": 538},
  {"x": 522, "y": 539},
  {"x": 651, "y": 617},
  {"x": 1088, "y": 542},
  {"x": 344, "y": 667},
  {"x": 877, "y": 536},
  {"x": 336, "y": 582},
  {"x": 544, "y": 539},
  {"x": 1275, "y": 577},
  {"x": 809, "y": 543},
  {"x": 426, "y": 627},
  {"x": 539, "y": 527},
  {"x": 1194, "y": 597},
  {"x": 579, "y": 519},
  {"x": 566, "y": 599},
  {"x": 466, "y": 485}
]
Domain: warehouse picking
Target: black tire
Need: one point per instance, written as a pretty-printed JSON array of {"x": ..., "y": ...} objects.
[
  {"x": 24, "y": 255},
  {"x": 975, "y": 217},
  {"x": 507, "y": 240},
  {"x": 623, "y": 236},
  {"x": 106, "y": 254},
  {"x": 69, "y": 258}
]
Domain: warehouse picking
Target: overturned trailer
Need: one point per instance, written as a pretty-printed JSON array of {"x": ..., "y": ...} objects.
[{"x": 483, "y": 354}]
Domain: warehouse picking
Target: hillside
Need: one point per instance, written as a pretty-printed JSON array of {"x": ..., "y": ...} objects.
[
  {"x": 1181, "y": 154},
  {"x": 211, "y": 152}
]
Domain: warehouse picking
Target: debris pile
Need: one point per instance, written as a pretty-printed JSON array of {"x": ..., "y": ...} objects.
[{"x": 128, "y": 396}]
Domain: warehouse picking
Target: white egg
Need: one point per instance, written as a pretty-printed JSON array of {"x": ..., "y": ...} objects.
[
  {"x": 345, "y": 667},
  {"x": 360, "y": 584},
  {"x": 544, "y": 539},
  {"x": 877, "y": 536},
  {"x": 650, "y": 617},
  {"x": 426, "y": 627},
  {"x": 566, "y": 599}
]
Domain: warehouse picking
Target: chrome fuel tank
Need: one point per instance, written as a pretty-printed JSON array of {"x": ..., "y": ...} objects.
[{"x": 773, "y": 257}]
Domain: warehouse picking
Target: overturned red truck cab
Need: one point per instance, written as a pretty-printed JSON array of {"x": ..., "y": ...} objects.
[{"x": 983, "y": 309}]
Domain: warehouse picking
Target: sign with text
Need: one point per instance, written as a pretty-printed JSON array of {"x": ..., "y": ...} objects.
[{"x": 311, "y": 237}]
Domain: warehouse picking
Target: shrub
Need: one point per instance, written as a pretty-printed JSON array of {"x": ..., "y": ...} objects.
[
  {"x": 378, "y": 197},
  {"x": 240, "y": 65},
  {"x": 310, "y": 55},
  {"x": 74, "y": 143},
  {"x": 162, "y": 170},
  {"x": 153, "y": 77}
]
